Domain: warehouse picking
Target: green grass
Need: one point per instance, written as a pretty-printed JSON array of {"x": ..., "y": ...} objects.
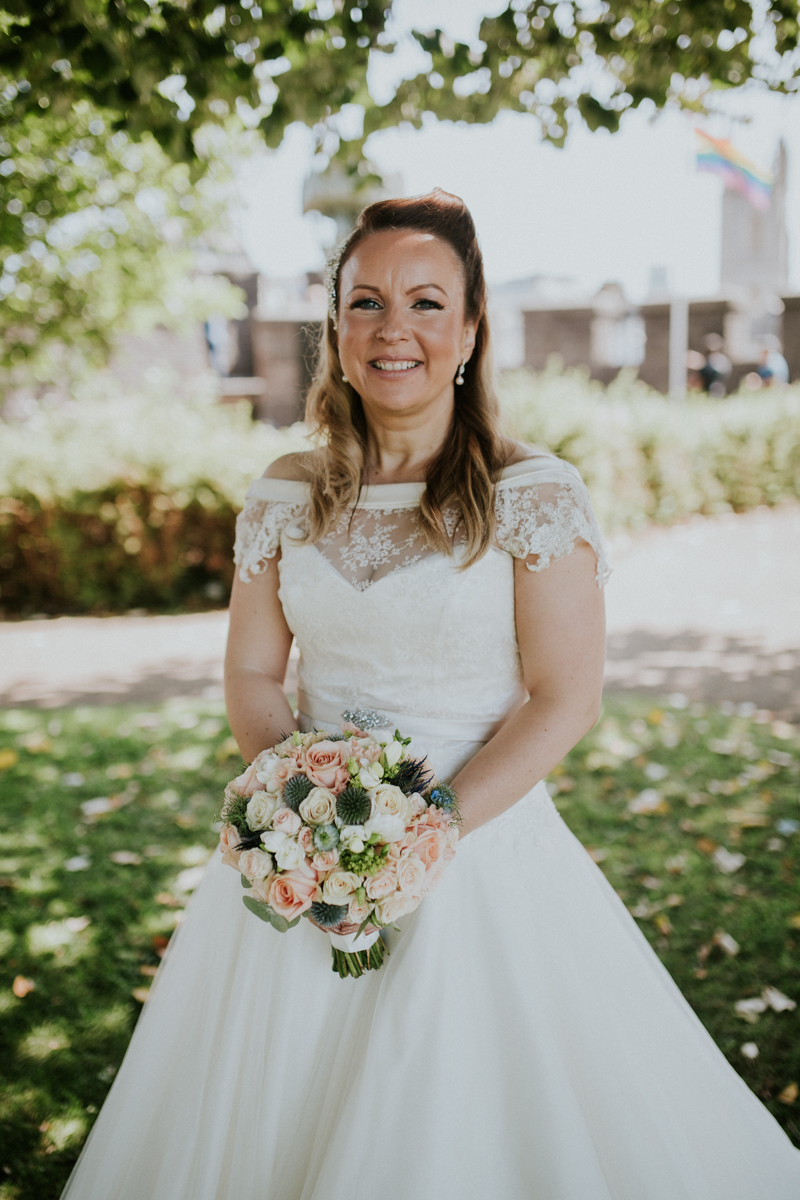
[{"x": 89, "y": 939}]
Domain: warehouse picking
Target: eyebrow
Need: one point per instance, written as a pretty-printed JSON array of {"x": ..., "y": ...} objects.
[{"x": 368, "y": 287}]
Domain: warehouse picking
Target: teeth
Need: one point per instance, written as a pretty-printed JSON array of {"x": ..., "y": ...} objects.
[{"x": 384, "y": 365}]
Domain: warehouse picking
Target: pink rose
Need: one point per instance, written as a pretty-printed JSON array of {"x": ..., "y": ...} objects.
[
  {"x": 410, "y": 874},
  {"x": 325, "y": 860},
  {"x": 358, "y": 913},
  {"x": 394, "y": 906},
  {"x": 325, "y": 764},
  {"x": 430, "y": 845},
  {"x": 247, "y": 783},
  {"x": 286, "y": 769},
  {"x": 286, "y": 821},
  {"x": 418, "y": 804},
  {"x": 292, "y": 892},
  {"x": 229, "y": 839},
  {"x": 382, "y": 883},
  {"x": 256, "y": 864},
  {"x": 306, "y": 839}
]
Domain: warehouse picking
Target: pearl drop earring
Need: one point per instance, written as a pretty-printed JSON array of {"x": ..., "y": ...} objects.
[
  {"x": 345, "y": 379},
  {"x": 460, "y": 373}
]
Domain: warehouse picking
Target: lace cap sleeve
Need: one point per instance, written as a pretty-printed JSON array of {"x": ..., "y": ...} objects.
[
  {"x": 544, "y": 511},
  {"x": 270, "y": 506}
]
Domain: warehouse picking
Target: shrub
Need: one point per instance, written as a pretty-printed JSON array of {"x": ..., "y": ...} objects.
[
  {"x": 645, "y": 458},
  {"x": 112, "y": 503}
]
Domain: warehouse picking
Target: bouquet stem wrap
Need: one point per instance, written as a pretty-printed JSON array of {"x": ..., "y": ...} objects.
[{"x": 355, "y": 953}]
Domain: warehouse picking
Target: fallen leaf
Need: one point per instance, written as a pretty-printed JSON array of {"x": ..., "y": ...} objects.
[
  {"x": 8, "y": 758},
  {"x": 647, "y": 802},
  {"x": 141, "y": 994},
  {"x": 726, "y": 943},
  {"x": 750, "y": 1009},
  {"x": 79, "y": 863},
  {"x": 728, "y": 861},
  {"x": 777, "y": 1001},
  {"x": 650, "y": 882},
  {"x": 749, "y": 1050},
  {"x": 789, "y": 1094},
  {"x": 22, "y": 986},
  {"x": 794, "y": 921},
  {"x": 705, "y": 845},
  {"x": 126, "y": 858},
  {"x": 597, "y": 855},
  {"x": 663, "y": 924},
  {"x": 146, "y": 969},
  {"x": 77, "y": 924}
]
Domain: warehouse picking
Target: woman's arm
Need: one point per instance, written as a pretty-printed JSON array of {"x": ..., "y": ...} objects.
[
  {"x": 560, "y": 620},
  {"x": 259, "y": 641}
]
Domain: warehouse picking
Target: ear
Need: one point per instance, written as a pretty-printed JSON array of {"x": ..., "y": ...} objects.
[{"x": 468, "y": 343}]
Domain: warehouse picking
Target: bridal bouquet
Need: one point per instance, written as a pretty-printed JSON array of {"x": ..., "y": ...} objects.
[{"x": 345, "y": 829}]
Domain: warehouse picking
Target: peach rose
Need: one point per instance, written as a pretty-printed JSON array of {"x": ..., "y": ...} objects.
[
  {"x": 260, "y": 888},
  {"x": 293, "y": 892},
  {"x": 229, "y": 839},
  {"x": 325, "y": 764},
  {"x": 430, "y": 845},
  {"x": 247, "y": 783},
  {"x": 305, "y": 839},
  {"x": 256, "y": 864},
  {"x": 410, "y": 874},
  {"x": 394, "y": 906},
  {"x": 418, "y": 804},
  {"x": 325, "y": 860},
  {"x": 358, "y": 913},
  {"x": 382, "y": 883},
  {"x": 287, "y": 821}
]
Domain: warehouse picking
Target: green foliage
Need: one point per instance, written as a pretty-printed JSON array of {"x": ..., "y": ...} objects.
[
  {"x": 645, "y": 458},
  {"x": 61, "y": 1044},
  {"x": 169, "y": 66},
  {"x": 113, "y": 503},
  {"x": 96, "y": 234}
]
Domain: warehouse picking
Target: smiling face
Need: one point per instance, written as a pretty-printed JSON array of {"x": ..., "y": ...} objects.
[{"x": 402, "y": 329}]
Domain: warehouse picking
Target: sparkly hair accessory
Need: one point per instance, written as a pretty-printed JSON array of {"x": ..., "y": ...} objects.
[{"x": 331, "y": 272}]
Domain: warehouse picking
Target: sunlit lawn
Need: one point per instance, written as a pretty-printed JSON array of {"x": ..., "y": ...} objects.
[{"x": 106, "y": 819}]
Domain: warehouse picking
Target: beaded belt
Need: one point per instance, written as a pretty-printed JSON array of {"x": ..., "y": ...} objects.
[{"x": 324, "y": 712}]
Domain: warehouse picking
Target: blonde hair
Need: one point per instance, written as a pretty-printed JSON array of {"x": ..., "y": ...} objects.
[{"x": 462, "y": 477}]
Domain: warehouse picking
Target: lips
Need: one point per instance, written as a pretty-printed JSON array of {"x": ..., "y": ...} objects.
[{"x": 395, "y": 365}]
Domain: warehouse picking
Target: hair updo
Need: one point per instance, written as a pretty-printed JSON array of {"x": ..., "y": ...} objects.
[{"x": 461, "y": 479}]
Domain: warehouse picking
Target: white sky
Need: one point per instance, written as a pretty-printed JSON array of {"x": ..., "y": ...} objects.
[{"x": 606, "y": 207}]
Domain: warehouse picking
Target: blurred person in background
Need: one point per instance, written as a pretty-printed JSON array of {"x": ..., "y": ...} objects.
[
  {"x": 718, "y": 366},
  {"x": 773, "y": 367}
]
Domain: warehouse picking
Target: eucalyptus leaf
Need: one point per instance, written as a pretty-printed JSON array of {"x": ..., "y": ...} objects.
[
  {"x": 246, "y": 882},
  {"x": 262, "y": 911}
]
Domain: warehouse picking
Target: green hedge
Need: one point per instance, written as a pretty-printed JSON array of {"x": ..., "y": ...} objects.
[
  {"x": 112, "y": 503},
  {"x": 647, "y": 459}
]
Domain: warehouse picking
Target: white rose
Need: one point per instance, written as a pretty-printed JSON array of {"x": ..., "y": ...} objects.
[
  {"x": 370, "y": 776},
  {"x": 388, "y": 829},
  {"x": 390, "y": 801},
  {"x": 394, "y": 752},
  {"x": 348, "y": 832},
  {"x": 266, "y": 770},
  {"x": 394, "y": 906},
  {"x": 319, "y": 807},
  {"x": 255, "y": 864},
  {"x": 358, "y": 913},
  {"x": 339, "y": 887},
  {"x": 290, "y": 854},
  {"x": 273, "y": 839},
  {"x": 261, "y": 809}
]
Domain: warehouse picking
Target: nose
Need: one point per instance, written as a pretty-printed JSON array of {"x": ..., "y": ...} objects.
[{"x": 392, "y": 329}]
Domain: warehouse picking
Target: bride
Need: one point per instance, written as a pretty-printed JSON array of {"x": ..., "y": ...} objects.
[{"x": 522, "y": 1041}]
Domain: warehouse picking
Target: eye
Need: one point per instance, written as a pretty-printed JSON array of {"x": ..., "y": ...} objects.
[
  {"x": 428, "y": 304},
  {"x": 368, "y": 302}
]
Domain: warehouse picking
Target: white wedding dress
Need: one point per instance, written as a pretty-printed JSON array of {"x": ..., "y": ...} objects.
[{"x": 522, "y": 1041}]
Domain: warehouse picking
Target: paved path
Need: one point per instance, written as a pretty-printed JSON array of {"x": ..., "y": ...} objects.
[{"x": 710, "y": 608}]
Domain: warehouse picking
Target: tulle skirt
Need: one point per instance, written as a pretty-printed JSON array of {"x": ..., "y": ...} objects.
[{"x": 522, "y": 1041}]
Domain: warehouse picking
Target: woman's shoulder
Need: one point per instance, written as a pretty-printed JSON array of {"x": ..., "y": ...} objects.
[
  {"x": 295, "y": 468},
  {"x": 529, "y": 464}
]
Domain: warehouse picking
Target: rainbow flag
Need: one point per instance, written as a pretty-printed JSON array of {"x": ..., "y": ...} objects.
[{"x": 740, "y": 174}]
